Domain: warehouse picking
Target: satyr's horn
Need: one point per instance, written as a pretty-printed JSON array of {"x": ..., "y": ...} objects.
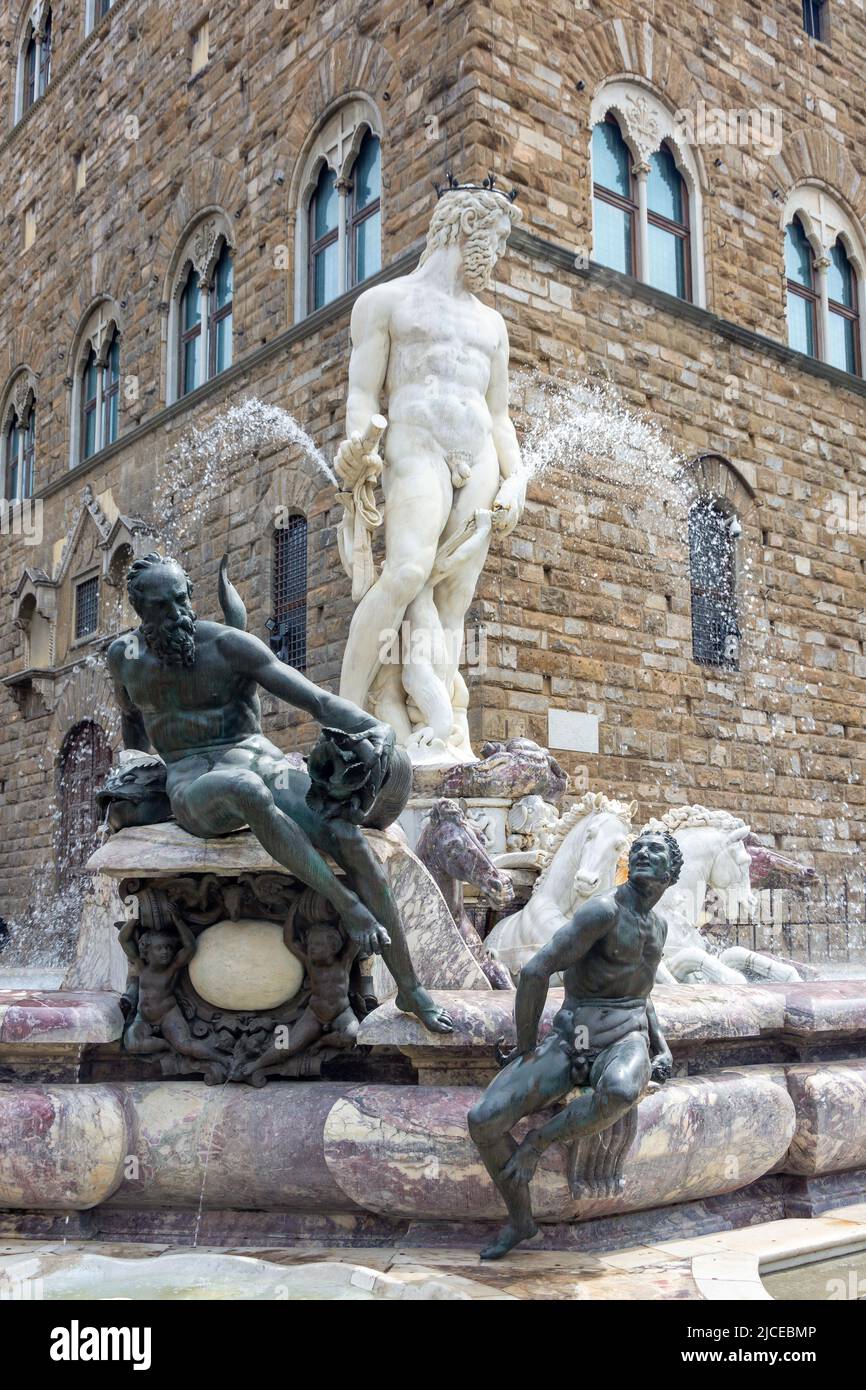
[{"x": 231, "y": 602}]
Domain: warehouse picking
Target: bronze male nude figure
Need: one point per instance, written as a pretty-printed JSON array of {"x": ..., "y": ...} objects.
[
  {"x": 189, "y": 689},
  {"x": 606, "y": 1035}
]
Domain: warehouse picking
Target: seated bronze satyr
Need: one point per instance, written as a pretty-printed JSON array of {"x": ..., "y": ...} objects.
[
  {"x": 605, "y": 1037},
  {"x": 190, "y": 688}
]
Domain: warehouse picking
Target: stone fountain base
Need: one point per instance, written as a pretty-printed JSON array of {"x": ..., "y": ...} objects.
[{"x": 762, "y": 1119}]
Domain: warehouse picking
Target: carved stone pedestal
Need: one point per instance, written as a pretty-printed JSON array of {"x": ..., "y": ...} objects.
[{"x": 220, "y": 987}]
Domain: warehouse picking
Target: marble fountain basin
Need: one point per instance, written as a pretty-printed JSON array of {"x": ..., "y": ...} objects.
[{"x": 209, "y": 1276}]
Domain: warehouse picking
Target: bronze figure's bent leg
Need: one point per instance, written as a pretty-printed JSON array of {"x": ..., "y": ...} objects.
[
  {"x": 528, "y": 1084},
  {"x": 229, "y": 798},
  {"x": 618, "y": 1078},
  {"x": 346, "y": 844}
]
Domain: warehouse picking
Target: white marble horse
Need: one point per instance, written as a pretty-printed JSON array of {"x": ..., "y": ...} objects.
[
  {"x": 714, "y": 856},
  {"x": 580, "y": 860}
]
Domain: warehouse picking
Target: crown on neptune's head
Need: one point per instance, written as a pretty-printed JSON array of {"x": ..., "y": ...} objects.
[{"x": 487, "y": 185}]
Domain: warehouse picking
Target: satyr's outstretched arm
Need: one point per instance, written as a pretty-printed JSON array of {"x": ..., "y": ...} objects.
[
  {"x": 250, "y": 657},
  {"x": 567, "y": 947},
  {"x": 131, "y": 719}
]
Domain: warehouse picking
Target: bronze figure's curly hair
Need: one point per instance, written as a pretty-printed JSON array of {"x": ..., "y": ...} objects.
[
  {"x": 675, "y": 854},
  {"x": 149, "y": 562}
]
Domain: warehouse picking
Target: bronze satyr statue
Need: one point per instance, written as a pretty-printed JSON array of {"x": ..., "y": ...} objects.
[
  {"x": 606, "y": 1035},
  {"x": 189, "y": 689}
]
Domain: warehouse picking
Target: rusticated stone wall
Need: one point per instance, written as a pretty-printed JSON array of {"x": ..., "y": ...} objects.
[{"x": 586, "y": 607}]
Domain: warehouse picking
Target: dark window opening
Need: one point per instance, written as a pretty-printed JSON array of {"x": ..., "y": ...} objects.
[
  {"x": 814, "y": 18},
  {"x": 86, "y": 607},
  {"x": 288, "y": 625},
  {"x": 85, "y": 760},
  {"x": 712, "y": 568}
]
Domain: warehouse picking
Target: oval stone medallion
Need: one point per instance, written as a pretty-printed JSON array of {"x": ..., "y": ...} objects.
[{"x": 245, "y": 965}]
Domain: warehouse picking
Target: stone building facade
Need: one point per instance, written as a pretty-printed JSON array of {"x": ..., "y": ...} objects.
[{"x": 161, "y": 124}]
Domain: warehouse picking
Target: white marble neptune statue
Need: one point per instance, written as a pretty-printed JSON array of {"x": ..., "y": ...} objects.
[{"x": 428, "y": 353}]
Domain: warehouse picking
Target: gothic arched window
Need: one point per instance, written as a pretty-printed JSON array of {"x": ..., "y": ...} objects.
[
  {"x": 825, "y": 267},
  {"x": 669, "y": 258},
  {"x": 19, "y": 452},
  {"x": 201, "y": 308},
  {"x": 647, "y": 189},
  {"x": 713, "y": 532},
  {"x": 614, "y": 207},
  {"x": 843, "y": 346},
  {"x": 100, "y": 396},
  {"x": 34, "y": 59},
  {"x": 288, "y": 623},
  {"x": 85, "y": 760},
  {"x": 802, "y": 296},
  {"x": 339, "y": 203}
]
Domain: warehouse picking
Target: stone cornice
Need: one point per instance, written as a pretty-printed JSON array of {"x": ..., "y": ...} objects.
[
  {"x": 536, "y": 248},
  {"x": 525, "y": 242}
]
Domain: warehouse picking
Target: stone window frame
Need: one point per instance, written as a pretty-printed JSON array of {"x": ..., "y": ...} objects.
[
  {"x": 825, "y": 220},
  {"x": 96, "y": 332},
  {"x": 90, "y": 572},
  {"x": 712, "y": 477},
  {"x": 199, "y": 249},
  {"x": 335, "y": 143},
  {"x": 31, "y": 22},
  {"x": 91, "y": 18},
  {"x": 19, "y": 401},
  {"x": 646, "y": 123}
]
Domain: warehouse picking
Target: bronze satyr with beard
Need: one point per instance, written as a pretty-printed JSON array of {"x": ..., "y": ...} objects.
[{"x": 170, "y": 633}]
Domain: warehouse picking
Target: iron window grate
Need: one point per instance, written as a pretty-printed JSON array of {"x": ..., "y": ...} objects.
[
  {"x": 86, "y": 607},
  {"x": 715, "y": 626},
  {"x": 288, "y": 626}
]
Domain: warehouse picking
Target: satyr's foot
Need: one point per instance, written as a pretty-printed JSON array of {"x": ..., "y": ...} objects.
[
  {"x": 523, "y": 1162},
  {"x": 510, "y": 1235},
  {"x": 369, "y": 935},
  {"x": 418, "y": 1002}
]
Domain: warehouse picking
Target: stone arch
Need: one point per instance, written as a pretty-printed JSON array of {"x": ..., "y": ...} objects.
[
  {"x": 714, "y": 475},
  {"x": 212, "y": 185},
  {"x": 22, "y": 347},
  {"x": 812, "y": 156},
  {"x": 354, "y": 65},
  {"x": 86, "y": 694},
  {"x": 633, "y": 50}
]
